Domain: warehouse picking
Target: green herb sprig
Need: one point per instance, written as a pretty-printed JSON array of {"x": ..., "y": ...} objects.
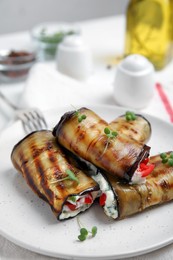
[
  {"x": 72, "y": 198},
  {"x": 130, "y": 116},
  {"x": 53, "y": 38},
  {"x": 84, "y": 233},
  {"x": 110, "y": 135},
  {"x": 167, "y": 159},
  {"x": 70, "y": 176},
  {"x": 80, "y": 117}
]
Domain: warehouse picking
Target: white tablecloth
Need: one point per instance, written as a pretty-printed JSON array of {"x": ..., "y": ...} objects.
[{"x": 106, "y": 40}]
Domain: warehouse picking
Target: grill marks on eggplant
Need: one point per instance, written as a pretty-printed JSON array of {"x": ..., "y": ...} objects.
[
  {"x": 44, "y": 183},
  {"x": 35, "y": 155},
  {"x": 43, "y": 164},
  {"x": 158, "y": 189},
  {"x": 44, "y": 161},
  {"x": 26, "y": 174},
  {"x": 87, "y": 140},
  {"x": 139, "y": 129}
]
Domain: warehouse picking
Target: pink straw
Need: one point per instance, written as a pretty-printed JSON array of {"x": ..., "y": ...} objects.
[{"x": 165, "y": 101}]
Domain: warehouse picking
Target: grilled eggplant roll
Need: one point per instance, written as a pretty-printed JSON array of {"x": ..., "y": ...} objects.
[
  {"x": 120, "y": 200},
  {"x": 138, "y": 129},
  {"x": 83, "y": 133},
  {"x": 53, "y": 176}
]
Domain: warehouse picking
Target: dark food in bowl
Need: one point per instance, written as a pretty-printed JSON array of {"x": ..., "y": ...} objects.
[{"x": 15, "y": 64}]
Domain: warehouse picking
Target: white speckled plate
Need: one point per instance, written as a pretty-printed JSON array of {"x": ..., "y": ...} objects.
[{"x": 28, "y": 221}]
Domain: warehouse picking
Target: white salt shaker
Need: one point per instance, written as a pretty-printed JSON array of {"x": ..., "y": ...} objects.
[
  {"x": 134, "y": 82},
  {"x": 74, "y": 58}
]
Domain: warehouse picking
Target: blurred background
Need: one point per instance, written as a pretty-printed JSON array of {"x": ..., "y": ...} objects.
[{"x": 12, "y": 12}]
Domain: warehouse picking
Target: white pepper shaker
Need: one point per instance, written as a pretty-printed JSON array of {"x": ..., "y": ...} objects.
[{"x": 134, "y": 82}]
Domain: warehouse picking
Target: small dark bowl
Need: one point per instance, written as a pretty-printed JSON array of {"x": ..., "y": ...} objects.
[{"x": 15, "y": 65}]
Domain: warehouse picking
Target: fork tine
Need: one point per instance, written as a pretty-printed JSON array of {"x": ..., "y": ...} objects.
[
  {"x": 41, "y": 120},
  {"x": 38, "y": 120},
  {"x": 27, "y": 127},
  {"x": 32, "y": 119},
  {"x": 27, "y": 122}
]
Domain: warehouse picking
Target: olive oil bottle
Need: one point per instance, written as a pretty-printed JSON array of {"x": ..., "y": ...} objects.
[
  {"x": 171, "y": 23},
  {"x": 148, "y": 30}
]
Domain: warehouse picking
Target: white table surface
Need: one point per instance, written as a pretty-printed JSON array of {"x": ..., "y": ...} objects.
[{"x": 106, "y": 40}]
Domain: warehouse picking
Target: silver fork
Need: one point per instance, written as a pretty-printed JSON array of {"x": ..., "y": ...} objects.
[{"x": 32, "y": 118}]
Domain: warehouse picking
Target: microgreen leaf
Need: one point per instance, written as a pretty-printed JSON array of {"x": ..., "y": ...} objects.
[
  {"x": 71, "y": 175},
  {"x": 110, "y": 135},
  {"x": 167, "y": 158},
  {"x": 107, "y": 131},
  {"x": 163, "y": 155},
  {"x": 170, "y": 161},
  {"x": 171, "y": 155},
  {"x": 84, "y": 233},
  {"x": 81, "y": 117},
  {"x": 130, "y": 116},
  {"x": 72, "y": 198},
  {"x": 77, "y": 113},
  {"x": 114, "y": 134},
  {"x": 94, "y": 231},
  {"x": 82, "y": 237}
]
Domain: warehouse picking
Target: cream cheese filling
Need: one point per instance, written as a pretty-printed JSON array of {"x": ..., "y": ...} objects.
[
  {"x": 110, "y": 206},
  {"x": 80, "y": 205},
  {"x": 137, "y": 178}
]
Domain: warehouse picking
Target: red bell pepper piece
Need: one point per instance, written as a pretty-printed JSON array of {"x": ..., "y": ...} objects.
[
  {"x": 102, "y": 199},
  {"x": 145, "y": 168},
  {"x": 88, "y": 199},
  {"x": 71, "y": 206}
]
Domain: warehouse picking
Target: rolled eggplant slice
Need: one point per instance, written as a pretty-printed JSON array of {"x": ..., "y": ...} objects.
[
  {"x": 138, "y": 129},
  {"x": 120, "y": 156},
  {"x": 120, "y": 200},
  {"x": 46, "y": 169}
]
